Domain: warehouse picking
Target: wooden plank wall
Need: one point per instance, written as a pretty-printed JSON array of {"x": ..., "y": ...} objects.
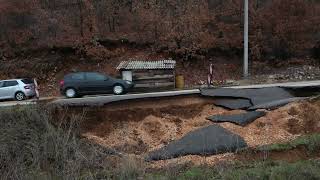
[{"x": 153, "y": 78}]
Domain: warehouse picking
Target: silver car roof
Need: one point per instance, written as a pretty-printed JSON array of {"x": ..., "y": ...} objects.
[
  {"x": 10, "y": 79},
  {"x": 13, "y": 79}
]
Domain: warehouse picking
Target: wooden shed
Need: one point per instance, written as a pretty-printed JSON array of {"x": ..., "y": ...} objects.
[{"x": 149, "y": 74}]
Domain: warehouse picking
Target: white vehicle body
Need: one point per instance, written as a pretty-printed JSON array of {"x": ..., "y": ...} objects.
[{"x": 18, "y": 89}]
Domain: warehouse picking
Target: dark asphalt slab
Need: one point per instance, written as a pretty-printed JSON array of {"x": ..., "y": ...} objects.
[
  {"x": 256, "y": 96},
  {"x": 233, "y": 103},
  {"x": 242, "y": 119},
  {"x": 275, "y": 104},
  {"x": 210, "y": 140}
]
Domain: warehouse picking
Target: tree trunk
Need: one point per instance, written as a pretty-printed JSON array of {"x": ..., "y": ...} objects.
[{"x": 81, "y": 17}]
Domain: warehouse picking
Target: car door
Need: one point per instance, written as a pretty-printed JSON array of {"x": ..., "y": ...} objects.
[
  {"x": 2, "y": 91},
  {"x": 97, "y": 83},
  {"x": 107, "y": 84},
  {"x": 78, "y": 81},
  {"x": 8, "y": 89}
]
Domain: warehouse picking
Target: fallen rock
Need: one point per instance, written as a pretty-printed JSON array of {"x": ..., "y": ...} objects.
[
  {"x": 239, "y": 119},
  {"x": 210, "y": 140}
]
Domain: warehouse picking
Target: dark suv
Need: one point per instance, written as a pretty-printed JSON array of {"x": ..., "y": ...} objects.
[{"x": 89, "y": 83}]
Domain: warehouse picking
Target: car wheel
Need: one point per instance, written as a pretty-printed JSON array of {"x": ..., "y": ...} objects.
[
  {"x": 20, "y": 96},
  {"x": 70, "y": 93},
  {"x": 118, "y": 89}
]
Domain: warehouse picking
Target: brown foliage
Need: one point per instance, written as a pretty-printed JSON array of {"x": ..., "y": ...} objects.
[{"x": 188, "y": 29}]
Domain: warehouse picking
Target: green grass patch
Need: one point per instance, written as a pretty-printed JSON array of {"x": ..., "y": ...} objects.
[
  {"x": 277, "y": 170},
  {"x": 198, "y": 174},
  {"x": 261, "y": 170},
  {"x": 311, "y": 142},
  {"x": 193, "y": 173}
]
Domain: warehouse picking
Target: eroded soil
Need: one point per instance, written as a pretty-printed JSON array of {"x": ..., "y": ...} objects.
[{"x": 138, "y": 127}]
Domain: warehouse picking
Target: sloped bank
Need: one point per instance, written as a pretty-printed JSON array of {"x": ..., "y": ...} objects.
[{"x": 139, "y": 127}]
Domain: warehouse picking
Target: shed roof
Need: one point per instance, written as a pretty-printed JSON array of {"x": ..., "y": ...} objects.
[{"x": 138, "y": 65}]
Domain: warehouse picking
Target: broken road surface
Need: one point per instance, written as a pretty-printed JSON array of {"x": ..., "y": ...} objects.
[
  {"x": 210, "y": 140},
  {"x": 239, "y": 119},
  {"x": 256, "y": 96}
]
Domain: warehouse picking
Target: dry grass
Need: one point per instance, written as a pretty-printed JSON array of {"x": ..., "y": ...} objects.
[
  {"x": 130, "y": 168},
  {"x": 33, "y": 148}
]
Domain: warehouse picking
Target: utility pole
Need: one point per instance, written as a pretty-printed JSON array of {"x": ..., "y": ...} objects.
[{"x": 246, "y": 39}]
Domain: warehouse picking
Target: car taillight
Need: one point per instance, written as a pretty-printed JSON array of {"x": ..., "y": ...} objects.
[
  {"x": 61, "y": 83},
  {"x": 26, "y": 87}
]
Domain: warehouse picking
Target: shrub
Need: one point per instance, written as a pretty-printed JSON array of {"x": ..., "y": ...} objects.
[{"x": 33, "y": 148}]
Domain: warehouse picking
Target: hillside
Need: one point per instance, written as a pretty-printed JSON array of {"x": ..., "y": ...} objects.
[{"x": 48, "y": 38}]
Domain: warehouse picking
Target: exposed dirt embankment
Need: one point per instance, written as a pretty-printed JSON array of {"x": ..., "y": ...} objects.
[{"x": 138, "y": 127}]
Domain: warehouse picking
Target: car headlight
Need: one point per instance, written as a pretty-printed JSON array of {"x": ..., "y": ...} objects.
[{"x": 128, "y": 82}]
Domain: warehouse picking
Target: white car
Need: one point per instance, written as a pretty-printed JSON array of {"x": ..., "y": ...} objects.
[{"x": 18, "y": 89}]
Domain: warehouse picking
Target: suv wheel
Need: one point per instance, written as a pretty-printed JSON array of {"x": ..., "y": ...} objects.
[
  {"x": 20, "y": 96},
  {"x": 71, "y": 93},
  {"x": 118, "y": 89}
]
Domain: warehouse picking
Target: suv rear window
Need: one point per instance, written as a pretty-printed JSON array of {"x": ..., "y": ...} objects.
[{"x": 27, "y": 81}]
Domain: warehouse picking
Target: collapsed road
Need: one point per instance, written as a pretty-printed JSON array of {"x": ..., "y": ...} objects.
[
  {"x": 260, "y": 98},
  {"x": 239, "y": 119},
  {"x": 158, "y": 129},
  {"x": 156, "y": 134},
  {"x": 256, "y": 96},
  {"x": 268, "y": 98},
  {"x": 178, "y": 126},
  {"x": 210, "y": 140},
  {"x": 215, "y": 139}
]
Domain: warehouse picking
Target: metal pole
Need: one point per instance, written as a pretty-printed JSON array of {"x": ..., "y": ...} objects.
[{"x": 246, "y": 39}]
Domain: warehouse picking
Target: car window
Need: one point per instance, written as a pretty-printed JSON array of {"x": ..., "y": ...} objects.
[
  {"x": 10, "y": 83},
  {"x": 78, "y": 76},
  {"x": 106, "y": 77},
  {"x": 1, "y": 83},
  {"x": 95, "y": 77},
  {"x": 27, "y": 81}
]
